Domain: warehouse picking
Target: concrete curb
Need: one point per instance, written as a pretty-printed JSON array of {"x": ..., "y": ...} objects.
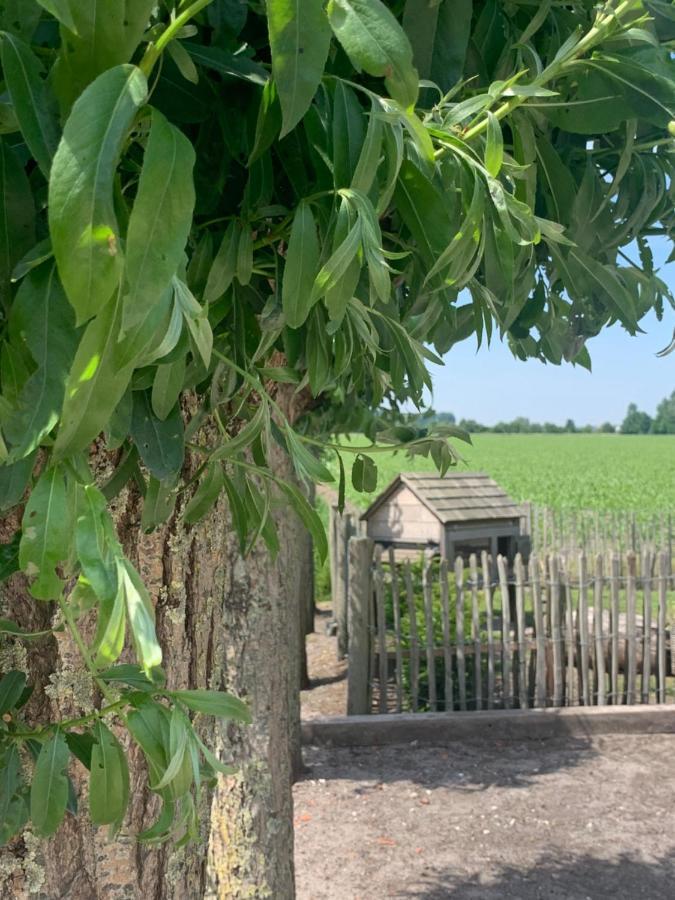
[{"x": 500, "y": 725}]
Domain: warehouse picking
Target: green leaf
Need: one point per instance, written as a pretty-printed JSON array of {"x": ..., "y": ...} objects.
[
  {"x": 14, "y": 479},
  {"x": 141, "y": 616},
  {"x": 160, "y": 219},
  {"x": 43, "y": 317},
  {"x": 13, "y": 811},
  {"x": 308, "y": 516},
  {"x": 161, "y": 444},
  {"x": 302, "y": 265},
  {"x": 81, "y": 745},
  {"x": 167, "y": 386},
  {"x": 214, "y": 703},
  {"x": 424, "y": 212},
  {"x": 17, "y": 216},
  {"x": 299, "y": 40},
  {"x": 224, "y": 266},
  {"x": 49, "y": 789},
  {"x": 33, "y": 102},
  {"x": 376, "y": 43},
  {"x": 364, "y": 474},
  {"x": 494, "y": 146},
  {"x": 133, "y": 676},
  {"x": 20, "y": 17},
  {"x": 109, "y": 779},
  {"x": 196, "y": 316},
  {"x": 208, "y": 491},
  {"x": 47, "y": 534},
  {"x": 348, "y": 134},
  {"x": 248, "y": 434},
  {"x": 92, "y": 542},
  {"x": 12, "y": 686},
  {"x": 178, "y": 742},
  {"x": 9, "y": 559},
  {"x": 158, "y": 503},
  {"x": 439, "y": 34},
  {"x": 184, "y": 62},
  {"x": 99, "y": 36},
  {"x": 82, "y": 220},
  {"x": 269, "y": 121},
  {"x": 111, "y": 627},
  {"x": 306, "y": 464}
]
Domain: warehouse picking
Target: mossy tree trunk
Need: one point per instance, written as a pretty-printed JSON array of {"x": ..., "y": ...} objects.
[{"x": 224, "y": 622}]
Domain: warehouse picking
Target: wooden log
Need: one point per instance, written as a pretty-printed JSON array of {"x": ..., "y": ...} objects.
[
  {"x": 647, "y": 624},
  {"x": 556, "y": 633},
  {"x": 540, "y": 636},
  {"x": 447, "y": 637},
  {"x": 571, "y": 691},
  {"x": 414, "y": 640},
  {"x": 459, "y": 631},
  {"x": 617, "y": 696},
  {"x": 631, "y": 649},
  {"x": 475, "y": 633},
  {"x": 506, "y": 632},
  {"x": 599, "y": 665},
  {"x": 427, "y": 590},
  {"x": 383, "y": 671},
  {"x": 661, "y": 645},
  {"x": 582, "y": 628},
  {"x": 396, "y": 607},
  {"x": 487, "y": 593},
  {"x": 345, "y": 529},
  {"x": 360, "y": 617},
  {"x": 520, "y": 623}
]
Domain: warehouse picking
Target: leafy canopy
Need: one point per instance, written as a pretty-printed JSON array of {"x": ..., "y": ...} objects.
[{"x": 208, "y": 209}]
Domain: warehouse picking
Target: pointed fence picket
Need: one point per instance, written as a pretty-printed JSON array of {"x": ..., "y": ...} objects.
[{"x": 557, "y": 631}]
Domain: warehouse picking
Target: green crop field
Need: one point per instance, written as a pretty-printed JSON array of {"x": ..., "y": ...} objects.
[{"x": 574, "y": 471}]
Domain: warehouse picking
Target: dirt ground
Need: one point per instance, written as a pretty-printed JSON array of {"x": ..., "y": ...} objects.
[{"x": 561, "y": 820}]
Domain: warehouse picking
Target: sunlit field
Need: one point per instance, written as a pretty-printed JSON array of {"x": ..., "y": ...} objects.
[{"x": 576, "y": 471}]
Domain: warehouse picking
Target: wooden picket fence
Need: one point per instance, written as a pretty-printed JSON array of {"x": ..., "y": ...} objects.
[{"x": 558, "y": 631}]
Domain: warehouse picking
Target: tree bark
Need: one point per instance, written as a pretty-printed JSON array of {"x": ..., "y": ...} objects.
[{"x": 223, "y": 622}]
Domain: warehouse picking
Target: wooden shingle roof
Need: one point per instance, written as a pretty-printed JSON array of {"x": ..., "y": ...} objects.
[{"x": 457, "y": 497}]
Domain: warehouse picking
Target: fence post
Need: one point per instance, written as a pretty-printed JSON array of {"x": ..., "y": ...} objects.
[
  {"x": 360, "y": 595},
  {"x": 344, "y": 530}
]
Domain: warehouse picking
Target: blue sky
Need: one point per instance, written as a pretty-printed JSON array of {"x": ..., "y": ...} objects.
[{"x": 490, "y": 384}]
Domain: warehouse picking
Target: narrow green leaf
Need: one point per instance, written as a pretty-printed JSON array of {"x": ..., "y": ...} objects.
[
  {"x": 302, "y": 264},
  {"x": 81, "y": 745},
  {"x": 245, "y": 437},
  {"x": 178, "y": 742},
  {"x": 376, "y": 43},
  {"x": 9, "y": 627},
  {"x": 494, "y": 146},
  {"x": 161, "y": 443},
  {"x": 214, "y": 703},
  {"x": 17, "y": 216},
  {"x": 82, "y": 219},
  {"x": 299, "y": 40},
  {"x": 12, "y": 686},
  {"x": 208, "y": 491},
  {"x": 14, "y": 479},
  {"x": 47, "y": 534},
  {"x": 196, "y": 316},
  {"x": 224, "y": 267},
  {"x": 110, "y": 628},
  {"x": 306, "y": 464},
  {"x": 167, "y": 385},
  {"x": 184, "y": 61},
  {"x": 308, "y": 516},
  {"x": 109, "y": 779},
  {"x": 43, "y": 317},
  {"x": 133, "y": 676},
  {"x": 49, "y": 789},
  {"x": 91, "y": 540},
  {"x": 160, "y": 219},
  {"x": 439, "y": 34},
  {"x": 158, "y": 503},
  {"x": 33, "y": 102},
  {"x": 141, "y": 616}
]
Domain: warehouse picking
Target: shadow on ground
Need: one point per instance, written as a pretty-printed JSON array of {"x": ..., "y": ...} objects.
[
  {"x": 558, "y": 878},
  {"x": 467, "y": 766}
]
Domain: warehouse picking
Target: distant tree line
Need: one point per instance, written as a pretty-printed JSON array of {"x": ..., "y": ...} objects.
[
  {"x": 639, "y": 422},
  {"x": 635, "y": 422}
]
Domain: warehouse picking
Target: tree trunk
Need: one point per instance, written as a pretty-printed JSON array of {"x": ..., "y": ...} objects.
[{"x": 223, "y": 622}]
